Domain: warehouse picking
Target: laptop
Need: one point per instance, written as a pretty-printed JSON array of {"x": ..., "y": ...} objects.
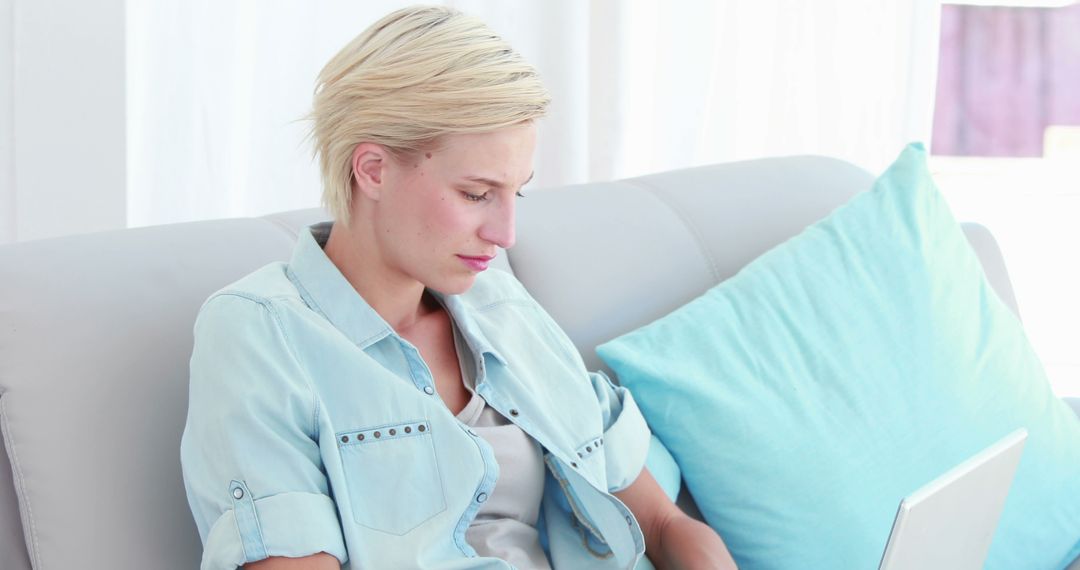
[{"x": 950, "y": 521}]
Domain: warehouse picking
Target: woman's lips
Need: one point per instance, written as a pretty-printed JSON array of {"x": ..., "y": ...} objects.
[{"x": 476, "y": 263}]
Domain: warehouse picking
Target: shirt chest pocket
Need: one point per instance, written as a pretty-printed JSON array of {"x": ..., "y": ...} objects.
[{"x": 392, "y": 475}]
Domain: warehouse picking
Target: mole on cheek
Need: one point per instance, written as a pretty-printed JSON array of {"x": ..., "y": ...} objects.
[{"x": 427, "y": 154}]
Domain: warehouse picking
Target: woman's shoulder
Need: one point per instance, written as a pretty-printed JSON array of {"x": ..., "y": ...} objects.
[
  {"x": 268, "y": 285},
  {"x": 265, "y": 296}
]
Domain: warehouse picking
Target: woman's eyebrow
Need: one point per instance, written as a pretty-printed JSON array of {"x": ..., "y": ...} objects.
[{"x": 495, "y": 183}]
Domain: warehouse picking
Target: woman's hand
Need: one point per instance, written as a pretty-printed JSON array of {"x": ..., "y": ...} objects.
[{"x": 673, "y": 540}]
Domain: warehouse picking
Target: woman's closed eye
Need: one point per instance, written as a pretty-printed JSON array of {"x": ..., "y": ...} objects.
[
  {"x": 484, "y": 196},
  {"x": 474, "y": 197}
]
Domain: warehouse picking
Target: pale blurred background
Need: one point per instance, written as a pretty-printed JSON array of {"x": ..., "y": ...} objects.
[
  {"x": 123, "y": 113},
  {"x": 1006, "y": 152}
]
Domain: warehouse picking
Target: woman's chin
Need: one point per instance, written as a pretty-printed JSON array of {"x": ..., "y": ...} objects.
[{"x": 454, "y": 286}]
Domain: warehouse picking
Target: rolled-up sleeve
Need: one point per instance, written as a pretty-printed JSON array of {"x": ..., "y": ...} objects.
[
  {"x": 249, "y": 453},
  {"x": 626, "y": 435}
]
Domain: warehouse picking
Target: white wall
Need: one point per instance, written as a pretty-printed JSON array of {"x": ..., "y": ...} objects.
[
  {"x": 62, "y": 85},
  {"x": 7, "y": 142}
]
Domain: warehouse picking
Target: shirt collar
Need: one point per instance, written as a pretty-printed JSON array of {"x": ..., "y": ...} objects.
[{"x": 328, "y": 292}]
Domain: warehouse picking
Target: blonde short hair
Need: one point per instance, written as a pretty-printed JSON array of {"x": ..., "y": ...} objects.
[{"x": 412, "y": 77}]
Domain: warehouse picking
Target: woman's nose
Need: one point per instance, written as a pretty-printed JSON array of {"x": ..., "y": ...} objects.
[{"x": 499, "y": 227}]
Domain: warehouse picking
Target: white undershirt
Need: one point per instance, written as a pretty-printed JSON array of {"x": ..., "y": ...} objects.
[{"x": 505, "y": 526}]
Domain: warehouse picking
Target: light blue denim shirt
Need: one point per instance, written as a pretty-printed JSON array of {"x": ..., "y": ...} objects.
[{"x": 312, "y": 426}]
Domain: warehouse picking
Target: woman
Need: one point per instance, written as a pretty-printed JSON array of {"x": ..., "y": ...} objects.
[{"x": 382, "y": 399}]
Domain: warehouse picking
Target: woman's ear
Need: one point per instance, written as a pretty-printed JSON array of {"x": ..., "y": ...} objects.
[{"x": 369, "y": 162}]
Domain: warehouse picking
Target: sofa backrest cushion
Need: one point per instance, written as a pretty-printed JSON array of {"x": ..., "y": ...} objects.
[{"x": 94, "y": 351}]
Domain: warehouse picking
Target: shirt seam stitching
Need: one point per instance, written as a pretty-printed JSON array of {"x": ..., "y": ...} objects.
[
  {"x": 501, "y": 302},
  {"x": 273, "y": 312}
]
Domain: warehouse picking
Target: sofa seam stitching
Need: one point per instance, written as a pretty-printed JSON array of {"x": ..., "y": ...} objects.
[
  {"x": 690, "y": 226},
  {"x": 281, "y": 225},
  {"x": 20, "y": 488}
]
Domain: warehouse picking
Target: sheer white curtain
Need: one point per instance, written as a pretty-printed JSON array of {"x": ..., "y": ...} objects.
[{"x": 217, "y": 90}]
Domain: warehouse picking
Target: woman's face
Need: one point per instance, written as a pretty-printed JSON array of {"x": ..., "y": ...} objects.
[{"x": 442, "y": 214}]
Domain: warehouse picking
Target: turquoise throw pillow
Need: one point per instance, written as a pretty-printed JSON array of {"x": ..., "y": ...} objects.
[{"x": 842, "y": 370}]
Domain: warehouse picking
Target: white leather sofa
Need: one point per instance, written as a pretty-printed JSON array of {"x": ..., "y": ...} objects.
[{"x": 95, "y": 332}]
